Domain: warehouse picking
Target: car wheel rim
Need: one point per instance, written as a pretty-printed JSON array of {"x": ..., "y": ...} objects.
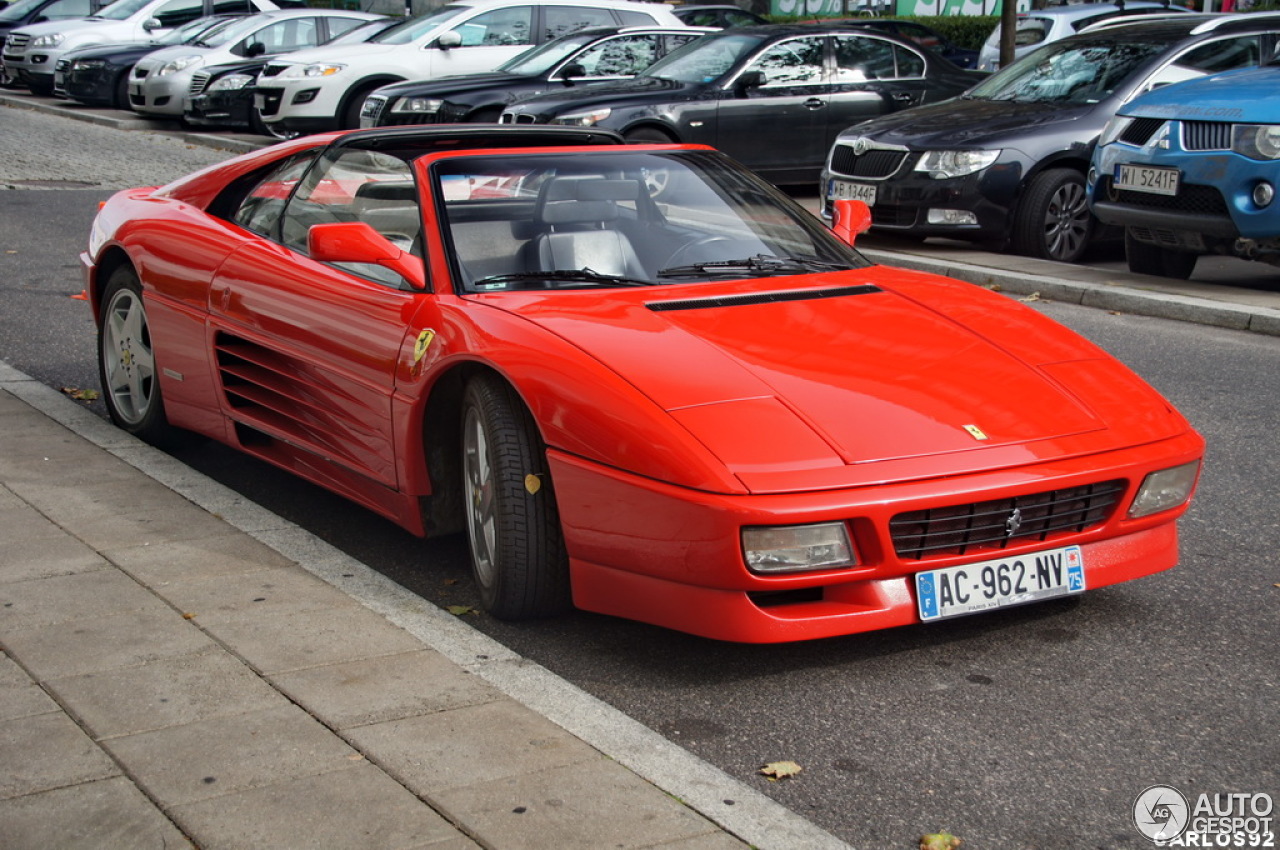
[
  {"x": 130, "y": 364},
  {"x": 482, "y": 526},
  {"x": 1066, "y": 222},
  {"x": 655, "y": 180}
]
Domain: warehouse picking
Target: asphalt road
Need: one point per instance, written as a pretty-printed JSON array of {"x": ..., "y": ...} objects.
[{"x": 1031, "y": 728}]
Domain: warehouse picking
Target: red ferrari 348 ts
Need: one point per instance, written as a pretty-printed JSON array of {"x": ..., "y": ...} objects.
[{"x": 643, "y": 382}]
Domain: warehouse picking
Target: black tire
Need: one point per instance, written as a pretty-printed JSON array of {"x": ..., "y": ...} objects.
[
  {"x": 1053, "y": 221},
  {"x": 1154, "y": 260},
  {"x": 121, "y": 98},
  {"x": 127, "y": 362},
  {"x": 517, "y": 549},
  {"x": 350, "y": 116},
  {"x": 41, "y": 89}
]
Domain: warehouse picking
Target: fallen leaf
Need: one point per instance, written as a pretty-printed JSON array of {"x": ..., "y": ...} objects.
[
  {"x": 776, "y": 770},
  {"x": 450, "y": 582},
  {"x": 460, "y": 610},
  {"x": 532, "y": 483},
  {"x": 79, "y": 394},
  {"x": 188, "y": 616},
  {"x": 939, "y": 841},
  {"x": 1035, "y": 296}
]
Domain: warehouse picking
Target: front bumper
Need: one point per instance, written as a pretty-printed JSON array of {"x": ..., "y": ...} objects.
[
  {"x": 153, "y": 95},
  {"x": 904, "y": 197},
  {"x": 672, "y": 557},
  {"x": 299, "y": 105},
  {"x": 220, "y": 109}
]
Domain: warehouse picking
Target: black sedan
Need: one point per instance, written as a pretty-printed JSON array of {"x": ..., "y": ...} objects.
[
  {"x": 99, "y": 75},
  {"x": 923, "y": 36},
  {"x": 773, "y": 97},
  {"x": 1005, "y": 164},
  {"x": 591, "y": 55}
]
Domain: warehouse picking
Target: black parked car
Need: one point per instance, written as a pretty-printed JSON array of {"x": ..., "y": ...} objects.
[
  {"x": 1005, "y": 163},
  {"x": 773, "y": 97},
  {"x": 99, "y": 75},
  {"x": 586, "y": 56},
  {"x": 222, "y": 95},
  {"x": 925, "y": 37}
]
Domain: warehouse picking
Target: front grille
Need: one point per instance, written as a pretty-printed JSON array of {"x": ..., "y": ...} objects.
[
  {"x": 198, "y": 83},
  {"x": 1206, "y": 136},
  {"x": 1141, "y": 130},
  {"x": 893, "y": 215},
  {"x": 518, "y": 118},
  {"x": 140, "y": 73},
  {"x": 874, "y": 164},
  {"x": 1191, "y": 198},
  {"x": 17, "y": 41},
  {"x": 993, "y": 525},
  {"x": 273, "y": 69}
]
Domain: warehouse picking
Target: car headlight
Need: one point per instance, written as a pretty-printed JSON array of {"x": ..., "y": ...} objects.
[
  {"x": 417, "y": 105},
  {"x": 796, "y": 548},
  {"x": 88, "y": 64},
  {"x": 231, "y": 82},
  {"x": 173, "y": 66},
  {"x": 318, "y": 69},
  {"x": 1165, "y": 489},
  {"x": 941, "y": 165},
  {"x": 1115, "y": 127},
  {"x": 52, "y": 39},
  {"x": 589, "y": 118},
  {"x": 1256, "y": 141}
]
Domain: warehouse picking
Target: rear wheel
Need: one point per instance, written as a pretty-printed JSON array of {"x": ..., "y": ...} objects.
[
  {"x": 127, "y": 362},
  {"x": 1154, "y": 260},
  {"x": 351, "y": 110},
  {"x": 517, "y": 550},
  {"x": 121, "y": 98},
  {"x": 1053, "y": 221}
]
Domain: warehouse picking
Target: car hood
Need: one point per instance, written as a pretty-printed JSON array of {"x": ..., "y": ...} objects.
[
  {"x": 458, "y": 84},
  {"x": 621, "y": 92},
  {"x": 965, "y": 122},
  {"x": 859, "y": 378},
  {"x": 1246, "y": 95},
  {"x": 340, "y": 53}
]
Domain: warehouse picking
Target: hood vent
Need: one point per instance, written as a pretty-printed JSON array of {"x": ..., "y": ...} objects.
[{"x": 762, "y": 298}]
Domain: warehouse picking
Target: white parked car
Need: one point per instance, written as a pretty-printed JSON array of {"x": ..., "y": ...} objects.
[
  {"x": 31, "y": 53},
  {"x": 1035, "y": 29},
  {"x": 161, "y": 81},
  {"x": 324, "y": 88}
]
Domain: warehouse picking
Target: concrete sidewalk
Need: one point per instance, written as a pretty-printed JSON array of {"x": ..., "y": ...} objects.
[{"x": 184, "y": 668}]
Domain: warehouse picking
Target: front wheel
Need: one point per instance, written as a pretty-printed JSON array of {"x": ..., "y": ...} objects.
[
  {"x": 517, "y": 549},
  {"x": 127, "y": 362},
  {"x": 1054, "y": 222},
  {"x": 1154, "y": 260}
]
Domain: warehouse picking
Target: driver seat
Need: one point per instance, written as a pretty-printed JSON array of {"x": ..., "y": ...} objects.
[{"x": 575, "y": 216}]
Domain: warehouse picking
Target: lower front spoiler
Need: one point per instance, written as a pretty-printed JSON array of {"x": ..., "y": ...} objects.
[{"x": 841, "y": 609}]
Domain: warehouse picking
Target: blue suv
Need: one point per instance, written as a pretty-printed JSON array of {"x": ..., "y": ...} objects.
[{"x": 1193, "y": 169}]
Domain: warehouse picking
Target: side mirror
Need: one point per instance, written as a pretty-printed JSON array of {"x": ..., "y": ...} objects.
[
  {"x": 357, "y": 242},
  {"x": 573, "y": 69},
  {"x": 852, "y": 218},
  {"x": 152, "y": 24},
  {"x": 449, "y": 40},
  {"x": 749, "y": 80},
  {"x": 255, "y": 48}
]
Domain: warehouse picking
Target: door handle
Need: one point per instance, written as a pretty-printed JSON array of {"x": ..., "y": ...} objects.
[{"x": 814, "y": 103}]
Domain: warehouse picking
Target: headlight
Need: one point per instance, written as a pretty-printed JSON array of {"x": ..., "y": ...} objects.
[
  {"x": 231, "y": 82},
  {"x": 53, "y": 39},
  {"x": 795, "y": 548},
  {"x": 943, "y": 164},
  {"x": 583, "y": 119},
  {"x": 1117, "y": 125},
  {"x": 1256, "y": 141},
  {"x": 417, "y": 104},
  {"x": 175, "y": 65},
  {"x": 318, "y": 69},
  {"x": 88, "y": 64},
  {"x": 1165, "y": 489}
]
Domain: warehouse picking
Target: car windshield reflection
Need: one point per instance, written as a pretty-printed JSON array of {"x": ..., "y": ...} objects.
[
  {"x": 1063, "y": 72},
  {"x": 556, "y": 221}
]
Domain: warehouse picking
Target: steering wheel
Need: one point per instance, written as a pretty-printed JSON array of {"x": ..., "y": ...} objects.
[{"x": 688, "y": 253}]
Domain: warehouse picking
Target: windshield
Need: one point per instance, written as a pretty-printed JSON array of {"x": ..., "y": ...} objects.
[
  {"x": 122, "y": 9},
  {"x": 542, "y": 59},
  {"x": 19, "y": 10},
  {"x": 193, "y": 31},
  {"x": 705, "y": 59},
  {"x": 365, "y": 32},
  {"x": 1069, "y": 72},
  {"x": 586, "y": 221},
  {"x": 230, "y": 32},
  {"x": 414, "y": 28}
]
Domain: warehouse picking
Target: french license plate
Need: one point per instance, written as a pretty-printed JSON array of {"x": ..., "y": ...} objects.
[
  {"x": 1146, "y": 178},
  {"x": 843, "y": 190},
  {"x": 999, "y": 583}
]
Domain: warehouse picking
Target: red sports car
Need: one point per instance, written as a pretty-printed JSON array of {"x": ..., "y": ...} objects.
[{"x": 643, "y": 382}]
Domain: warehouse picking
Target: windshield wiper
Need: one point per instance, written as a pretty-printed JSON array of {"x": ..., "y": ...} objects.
[
  {"x": 565, "y": 275},
  {"x": 761, "y": 265}
]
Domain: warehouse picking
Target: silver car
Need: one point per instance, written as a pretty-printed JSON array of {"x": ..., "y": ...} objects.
[{"x": 161, "y": 82}]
